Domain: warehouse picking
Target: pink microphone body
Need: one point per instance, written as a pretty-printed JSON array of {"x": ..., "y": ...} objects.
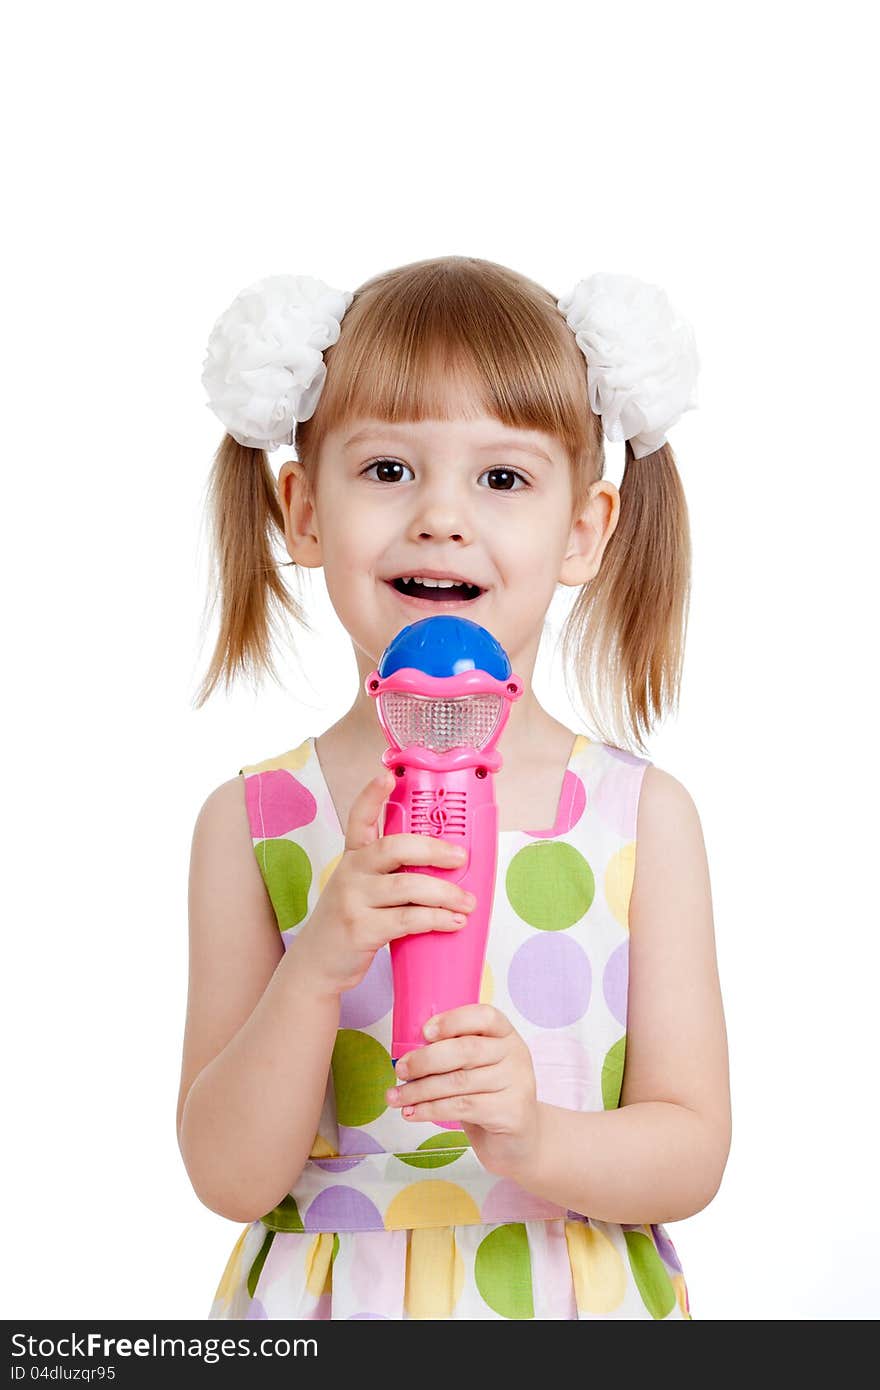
[
  {"x": 442, "y": 731},
  {"x": 435, "y": 971}
]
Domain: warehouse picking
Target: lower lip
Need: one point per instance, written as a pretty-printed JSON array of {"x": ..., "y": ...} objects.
[{"x": 429, "y": 604}]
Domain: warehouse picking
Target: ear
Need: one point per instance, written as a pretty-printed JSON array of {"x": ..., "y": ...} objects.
[
  {"x": 300, "y": 523},
  {"x": 590, "y": 533}
]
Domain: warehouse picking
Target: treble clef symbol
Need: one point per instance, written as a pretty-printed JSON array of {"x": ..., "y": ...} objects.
[{"x": 437, "y": 814}]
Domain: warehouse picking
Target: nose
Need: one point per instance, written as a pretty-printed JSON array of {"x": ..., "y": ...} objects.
[{"x": 440, "y": 514}]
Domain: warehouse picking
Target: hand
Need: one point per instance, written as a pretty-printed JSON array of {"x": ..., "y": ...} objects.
[
  {"x": 366, "y": 903},
  {"x": 480, "y": 1073}
]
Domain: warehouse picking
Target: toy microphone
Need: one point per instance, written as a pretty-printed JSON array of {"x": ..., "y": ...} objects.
[{"x": 443, "y": 692}]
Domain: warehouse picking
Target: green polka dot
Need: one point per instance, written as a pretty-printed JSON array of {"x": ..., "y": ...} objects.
[
  {"x": 362, "y": 1073},
  {"x": 335, "y": 1251},
  {"x": 550, "y": 885},
  {"x": 284, "y": 1217},
  {"x": 503, "y": 1271},
  {"x": 649, "y": 1272},
  {"x": 256, "y": 1268},
  {"x": 612, "y": 1074},
  {"x": 449, "y": 1139},
  {"x": 287, "y": 874}
]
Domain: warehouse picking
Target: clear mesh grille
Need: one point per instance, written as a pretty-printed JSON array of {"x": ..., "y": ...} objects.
[{"x": 429, "y": 722}]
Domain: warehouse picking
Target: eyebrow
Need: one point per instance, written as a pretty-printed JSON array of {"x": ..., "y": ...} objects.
[{"x": 499, "y": 445}]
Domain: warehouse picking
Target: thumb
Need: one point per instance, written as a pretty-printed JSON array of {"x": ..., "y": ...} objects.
[{"x": 363, "y": 818}]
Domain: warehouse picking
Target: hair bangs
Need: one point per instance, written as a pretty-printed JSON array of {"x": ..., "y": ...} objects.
[{"x": 456, "y": 337}]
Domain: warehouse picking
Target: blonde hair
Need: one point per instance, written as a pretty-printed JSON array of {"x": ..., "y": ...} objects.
[{"x": 406, "y": 333}]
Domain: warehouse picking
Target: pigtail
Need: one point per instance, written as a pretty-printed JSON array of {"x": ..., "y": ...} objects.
[
  {"x": 244, "y": 517},
  {"x": 625, "y": 635}
]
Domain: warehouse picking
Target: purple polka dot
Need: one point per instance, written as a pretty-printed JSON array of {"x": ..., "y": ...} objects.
[
  {"x": 353, "y": 1144},
  {"x": 357, "y": 1141},
  {"x": 615, "y": 980},
  {"x": 276, "y": 803},
  {"x": 622, "y": 756},
  {"x": 255, "y": 1311},
  {"x": 341, "y": 1208},
  {"x": 549, "y": 980},
  {"x": 372, "y": 998},
  {"x": 665, "y": 1248}
]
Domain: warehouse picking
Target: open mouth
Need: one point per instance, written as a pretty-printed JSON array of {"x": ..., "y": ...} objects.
[{"x": 432, "y": 594}]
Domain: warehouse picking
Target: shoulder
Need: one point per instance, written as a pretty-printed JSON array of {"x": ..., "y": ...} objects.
[
  {"x": 222, "y": 817},
  {"x": 671, "y": 872},
  {"x": 666, "y": 807}
]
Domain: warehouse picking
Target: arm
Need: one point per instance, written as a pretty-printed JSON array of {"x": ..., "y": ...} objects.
[
  {"x": 661, "y": 1155},
  {"x": 258, "y": 1037}
]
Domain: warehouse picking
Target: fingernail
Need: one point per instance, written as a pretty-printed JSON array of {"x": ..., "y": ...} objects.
[{"x": 430, "y": 1028}]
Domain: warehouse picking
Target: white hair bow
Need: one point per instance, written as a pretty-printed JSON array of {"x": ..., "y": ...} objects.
[{"x": 265, "y": 368}]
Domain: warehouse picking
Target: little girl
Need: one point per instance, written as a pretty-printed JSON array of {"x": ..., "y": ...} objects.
[{"x": 448, "y": 418}]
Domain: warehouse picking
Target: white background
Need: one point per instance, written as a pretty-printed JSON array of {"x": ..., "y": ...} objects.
[{"x": 158, "y": 159}]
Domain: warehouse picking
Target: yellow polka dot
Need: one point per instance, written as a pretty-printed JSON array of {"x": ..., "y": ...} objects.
[
  {"x": 291, "y": 761},
  {"x": 619, "y": 881},
  {"x": 597, "y": 1267},
  {"x": 680, "y": 1294},
  {"x": 231, "y": 1276},
  {"x": 322, "y": 1148},
  {"x": 431, "y": 1203},
  {"x": 487, "y": 986},
  {"x": 318, "y": 1261},
  {"x": 327, "y": 871},
  {"x": 434, "y": 1273}
]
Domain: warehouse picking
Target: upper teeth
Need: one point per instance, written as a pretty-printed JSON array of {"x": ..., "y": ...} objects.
[{"x": 433, "y": 583}]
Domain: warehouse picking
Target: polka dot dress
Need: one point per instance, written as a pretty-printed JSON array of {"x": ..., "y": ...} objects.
[{"x": 398, "y": 1219}]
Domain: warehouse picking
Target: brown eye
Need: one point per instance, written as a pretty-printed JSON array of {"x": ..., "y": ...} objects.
[
  {"x": 508, "y": 474},
  {"x": 385, "y": 464}
]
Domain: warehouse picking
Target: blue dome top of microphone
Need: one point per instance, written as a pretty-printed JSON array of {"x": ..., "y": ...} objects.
[{"x": 445, "y": 646}]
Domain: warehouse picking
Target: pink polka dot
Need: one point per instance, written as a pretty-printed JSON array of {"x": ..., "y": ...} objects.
[
  {"x": 563, "y": 1071},
  {"x": 277, "y": 803},
  {"x": 507, "y": 1201},
  {"x": 376, "y": 1264},
  {"x": 551, "y": 1272},
  {"x": 616, "y": 800},
  {"x": 571, "y": 807}
]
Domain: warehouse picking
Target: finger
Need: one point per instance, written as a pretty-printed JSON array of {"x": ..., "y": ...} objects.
[
  {"x": 363, "y": 818},
  {"x": 454, "y": 1054},
  {"x": 413, "y": 919},
  {"x": 407, "y": 848},
  {"x": 477, "y": 1109},
  {"x": 428, "y": 890},
  {"x": 475, "y": 1080},
  {"x": 470, "y": 1018}
]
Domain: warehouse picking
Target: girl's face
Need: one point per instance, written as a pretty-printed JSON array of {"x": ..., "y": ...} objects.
[{"x": 468, "y": 496}]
